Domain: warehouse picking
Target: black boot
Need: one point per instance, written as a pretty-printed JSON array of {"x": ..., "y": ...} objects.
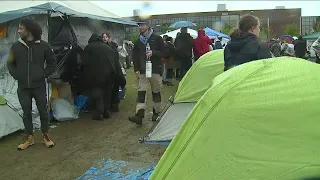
[
  {"x": 98, "y": 117},
  {"x": 114, "y": 108},
  {"x": 138, "y": 117},
  {"x": 155, "y": 115}
]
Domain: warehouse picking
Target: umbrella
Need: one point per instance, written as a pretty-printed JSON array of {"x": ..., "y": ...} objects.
[{"x": 181, "y": 24}]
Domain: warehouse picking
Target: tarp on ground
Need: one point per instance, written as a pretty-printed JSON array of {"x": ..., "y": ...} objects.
[
  {"x": 199, "y": 78},
  {"x": 194, "y": 84},
  {"x": 259, "y": 120},
  {"x": 118, "y": 170}
]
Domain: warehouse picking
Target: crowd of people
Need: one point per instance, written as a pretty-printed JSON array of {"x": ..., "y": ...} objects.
[
  {"x": 98, "y": 72},
  {"x": 296, "y": 47}
]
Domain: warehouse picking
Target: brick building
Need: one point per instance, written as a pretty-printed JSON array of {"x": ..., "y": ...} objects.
[{"x": 274, "y": 19}]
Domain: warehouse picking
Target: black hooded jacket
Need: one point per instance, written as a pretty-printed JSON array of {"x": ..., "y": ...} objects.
[
  {"x": 300, "y": 48},
  {"x": 26, "y": 63},
  {"x": 243, "y": 49},
  {"x": 184, "y": 44},
  {"x": 98, "y": 61}
]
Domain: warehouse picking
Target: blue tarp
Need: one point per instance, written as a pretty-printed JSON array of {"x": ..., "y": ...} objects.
[
  {"x": 211, "y": 32},
  {"x": 118, "y": 170},
  {"x": 55, "y": 7}
]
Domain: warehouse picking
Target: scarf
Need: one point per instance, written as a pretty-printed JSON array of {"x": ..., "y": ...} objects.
[{"x": 144, "y": 39}]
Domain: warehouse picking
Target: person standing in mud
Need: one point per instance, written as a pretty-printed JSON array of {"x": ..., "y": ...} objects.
[
  {"x": 99, "y": 73},
  {"x": 120, "y": 80},
  {"x": 26, "y": 62},
  {"x": 155, "y": 45}
]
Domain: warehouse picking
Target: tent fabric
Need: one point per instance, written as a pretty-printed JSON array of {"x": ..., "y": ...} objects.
[
  {"x": 2, "y": 101},
  {"x": 190, "y": 90},
  {"x": 10, "y": 121},
  {"x": 74, "y": 8},
  {"x": 313, "y": 36},
  {"x": 199, "y": 78},
  {"x": 170, "y": 123},
  {"x": 260, "y": 121},
  {"x": 82, "y": 27},
  {"x": 211, "y": 32}
]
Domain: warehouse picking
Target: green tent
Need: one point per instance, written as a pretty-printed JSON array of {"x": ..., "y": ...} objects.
[
  {"x": 194, "y": 84},
  {"x": 199, "y": 78},
  {"x": 258, "y": 121},
  {"x": 2, "y": 101},
  {"x": 313, "y": 36}
]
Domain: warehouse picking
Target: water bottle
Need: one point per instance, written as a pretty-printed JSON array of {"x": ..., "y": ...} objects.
[{"x": 148, "y": 64}]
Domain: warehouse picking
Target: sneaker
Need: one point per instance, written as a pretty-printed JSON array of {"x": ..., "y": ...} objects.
[
  {"x": 27, "y": 140},
  {"x": 136, "y": 119},
  {"x": 47, "y": 141}
]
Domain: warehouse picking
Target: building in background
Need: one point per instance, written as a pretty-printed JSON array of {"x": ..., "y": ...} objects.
[
  {"x": 307, "y": 24},
  {"x": 273, "y": 21}
]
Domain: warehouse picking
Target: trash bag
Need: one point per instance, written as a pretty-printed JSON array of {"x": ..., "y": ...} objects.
[
  {"x": 81, "y": 102},
  {"x": 62, "y": 110}
]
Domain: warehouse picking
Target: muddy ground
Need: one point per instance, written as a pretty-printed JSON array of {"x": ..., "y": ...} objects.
[{"x": 81, "y": 144}]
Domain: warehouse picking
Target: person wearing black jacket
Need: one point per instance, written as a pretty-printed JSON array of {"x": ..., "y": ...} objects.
[
  {"x": 140, "y": 55},
  {"x": 245, "y": 45},
  {"x": 184, "y": 44},
  {"x": 120, "y": 80},
  {"x": 300, "y": 47},
  {"x": 26, "y": 62},
  {"x": 99, "y": 73}
]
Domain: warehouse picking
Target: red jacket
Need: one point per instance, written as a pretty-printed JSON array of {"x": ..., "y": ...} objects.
[{"x": 201, "y": 44}]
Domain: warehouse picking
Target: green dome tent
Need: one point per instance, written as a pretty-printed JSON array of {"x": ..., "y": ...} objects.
[
  {"x": 194, "y": 84},
  {"x": 259, "y": 120},
  {"x": 199, "y": 78}
]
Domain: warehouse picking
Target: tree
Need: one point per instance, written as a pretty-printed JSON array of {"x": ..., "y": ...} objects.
[
  {"x": 316, "y": 26},
  {"x": 265, "y": 33},
  {"x": 227, "y": 29},
  {"x": 134, "y": 37},
  {"x": 164, "y": 28},
  {"x": 292, "y": 29}
]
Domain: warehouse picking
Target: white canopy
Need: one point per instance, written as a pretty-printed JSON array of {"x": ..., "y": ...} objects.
[
  {"x": 174, "y": 33},
  {"x": 193, "y": 33}
]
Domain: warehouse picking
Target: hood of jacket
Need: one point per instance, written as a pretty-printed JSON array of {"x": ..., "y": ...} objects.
[
  {"x": 95, "y": 37},
  {"x": 201, "y": 32},
  {"x": 238, "y": 42}
]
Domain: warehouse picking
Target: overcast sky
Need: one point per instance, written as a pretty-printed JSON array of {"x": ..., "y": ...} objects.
[{"x": 125, "y": 8}]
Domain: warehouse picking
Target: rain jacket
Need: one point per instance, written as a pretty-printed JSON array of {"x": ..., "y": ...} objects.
[
  {"x": 201, "y": 44},
  {"x": 139, "y": 57},
  {"x": 243, "y": 49},
  {"x": 98, "y": 62},
  {"x": 26, "y": 63}
]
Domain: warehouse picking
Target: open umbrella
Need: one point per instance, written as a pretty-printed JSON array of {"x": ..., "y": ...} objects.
[{"x": 181, "y": 24}]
